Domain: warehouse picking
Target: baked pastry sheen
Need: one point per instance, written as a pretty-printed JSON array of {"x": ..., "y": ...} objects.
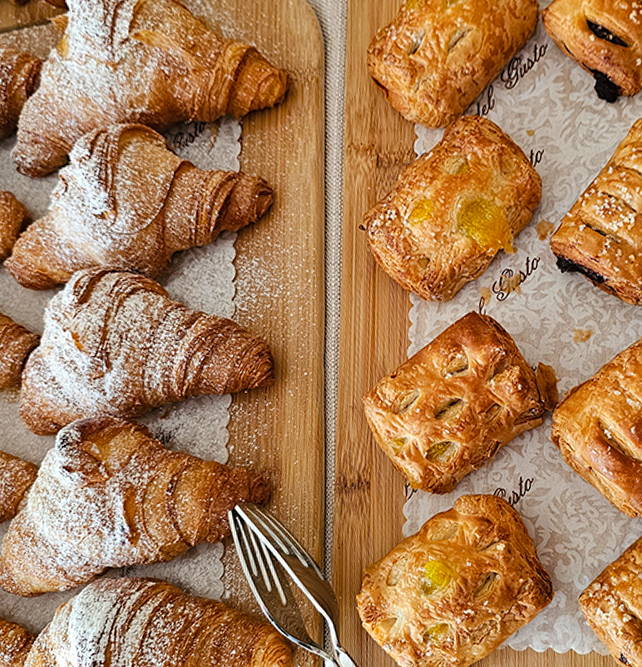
[
  {"x": 137, "y": 61},
  {"x": 454, "y": 404},
  {"x": 16, "y": 343},
  {"x": 603, "y": 36},
  {"x": 437, "y": 55},
  {"x": 115, "y": 344},
  {"x": 19, "y": 78},
  {"x": 16, "y": 477},
  {"x": 15, "y": 643},
  {"x": 601, "y": 236},
  {"x": 12, "y": 219},
  {"x": 127, "y": 201},
  {"x": 598, "y": 429},
  {"x": 453, "y": 592},
  {"x": 110, "y": 495},
  {"x": 453, "y": 210},
  {"x": 142, "y": 622}
]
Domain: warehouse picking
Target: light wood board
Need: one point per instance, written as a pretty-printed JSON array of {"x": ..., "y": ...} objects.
[
  {"x": 280, "y": 271},
  {"x": 374, "y": 340}
]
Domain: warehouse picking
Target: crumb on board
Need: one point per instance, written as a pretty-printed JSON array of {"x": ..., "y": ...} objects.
[
  {"x": 544, "y": 228},
  {"x": 581, "y": 335},
  {"x": 485, "y": 296},
  {"x": 547, "y": 385},
  {"x": 530, "y": 133}
]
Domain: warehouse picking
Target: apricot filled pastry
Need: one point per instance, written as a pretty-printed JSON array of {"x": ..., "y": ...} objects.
[
  {"x": 456, "y": 590},
  {"x": 127, "y": 201},
  {"x": 114, "y": 343},
  {"x": 601, "y": 236},
  {"x": 143, "y": 622},
  {"x": 19, "y": 78},
  {"x": 13, "y": 216},
  {"x": 436, "y": 56},
  {"x": 110, "y": 495},
  {"x": 612, "y": 606},
  {"x": 454, "y": 404},
  {"x": 16, "y": 477},
  {"x": 598, "y": 430},
  {"x": 140, "y": 61},
  {"x": 15, "y": 643},
  {"x": 16, "y": 343},
  {"x": 453, "y": 210},
  {"x": 604, "y": 37}
]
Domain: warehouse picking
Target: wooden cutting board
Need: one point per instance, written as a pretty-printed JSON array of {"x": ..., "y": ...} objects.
[
  {"x": 374, "y": 340},
  {"x": 280, "y": 267}
]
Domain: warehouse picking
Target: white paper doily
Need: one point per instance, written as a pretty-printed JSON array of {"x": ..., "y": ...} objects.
[{"x": 548, "y": 107}]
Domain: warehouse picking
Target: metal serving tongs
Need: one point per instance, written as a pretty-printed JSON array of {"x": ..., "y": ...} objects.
[{"x": 267, "y": 552}]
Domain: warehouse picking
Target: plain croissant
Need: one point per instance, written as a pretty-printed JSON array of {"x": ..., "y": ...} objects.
[
  {"x": 16, "y": 477},
  {"x": 15, "y": 643},
  {"x": 142, "y": 622},
  {"x": 125, "y": 200},
  {"x": 12, "y": 219},
  {"x": 110, "y": 495},
  {"x": 147, "y": 61},
  {"x": 19, "y": 78},
  {"x": 16, "y": 343},
  {"x": 115, "y": 343}
]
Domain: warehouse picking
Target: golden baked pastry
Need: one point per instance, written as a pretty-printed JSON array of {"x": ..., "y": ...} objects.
[
  {"x": 598, "y": 429},
  {"x": 110, "y": 495},
  {"x": 604, "y": 37},
  {"x": 453, "y": 210},
  {"x": 12, "y": 219},
  {"x": 115, "y": 343},
  {"x": 19, "y": 78},
  {"x": 142, "y": 622},
  {"x": 16, "y": 477},
  {"x": 15, "y": 643},
  {"x": 612, "y": 605},
  {"x": 454, "y": 404},
  {"x": 453, "y": 592},
  {"x": 137, "y": 61},
  {"x": 437, "y": 55},
  {"x": 126, "y": 201},
  {"x": 601, "y": 236},
  {"x": 16, "y": 343}
]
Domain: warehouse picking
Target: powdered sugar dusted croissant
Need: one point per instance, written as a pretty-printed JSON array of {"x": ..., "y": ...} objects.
[
  {"x": 147, "y": 61},
  {"x": 115, "y": 343},
  {"x": 126, "y": 200},
  {"x": 15, "y": 643},
  {"x": 12, "y": 219},
  {"x": 16, "y": 476},
  {"x": 142, "y": 622},
  {"x": 15, "y": 345},
  {"x": 110, "y": 495},
  {"x": 19, "y": 77}
]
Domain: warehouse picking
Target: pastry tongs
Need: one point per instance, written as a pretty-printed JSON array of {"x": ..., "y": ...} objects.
[{"x": 270, "y": 555}]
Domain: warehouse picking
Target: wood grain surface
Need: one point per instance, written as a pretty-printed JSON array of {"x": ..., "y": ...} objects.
[{"x": 374, "y": 340}]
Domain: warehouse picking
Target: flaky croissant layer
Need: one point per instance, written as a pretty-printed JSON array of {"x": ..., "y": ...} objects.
[
  {"x": 19, "y": 78},
  {"x": 16, "y": 343},
  {"x": 16, "y": 476},
  {"x": 110, "y": 495},
  {"x": 15, "y": 643}
]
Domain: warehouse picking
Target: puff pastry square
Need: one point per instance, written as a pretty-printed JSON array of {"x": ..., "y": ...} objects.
[
  {"x": 453, "y": 592},
  {"x": 452, "y": 406},
  {"x": 437, "y": 55},
  {"x": 601, "y": 236},
  {"x": 598, "y": 430},
  {"x": 604, "y": 37},
  {"x": 453, "y": 210},
  {"x": 612, "y": 605}
]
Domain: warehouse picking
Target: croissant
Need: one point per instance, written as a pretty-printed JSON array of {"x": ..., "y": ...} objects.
[
  {"x": 16, "y": 476},
  {"x": 19, "y": 78},
  {"x": 15, "y": 345},
  {"x": 115, "y": 343},
  {"x": 146, "y": 61},
  {"x": 12, "y": 219},
  {"x": 142, "y": 622},
  {"x": 110, "y": 495},
  {"x": 15, "y": 643},
  {"x": 126, "y": 200}
]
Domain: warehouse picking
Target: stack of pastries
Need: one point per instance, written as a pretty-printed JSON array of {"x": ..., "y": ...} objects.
[{"x": 115, "y": 344}]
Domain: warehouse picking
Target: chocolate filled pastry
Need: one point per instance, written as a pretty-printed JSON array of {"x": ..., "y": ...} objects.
[
  {"x": 453, "y": 210},
  {"x": 456, "y": 590},
  {"x": 19, "y": 78},
  {"x": 604, "y": 37},
  {"x": 454, "y": 404},
  {"x": 612, "y": 605},
  {"x": 436, "y": 56},
  {"x": 598, "y": 430},
  {"x": 16, "y": 343},
  {"x": 16, "y": 477},
  {"x": 13, "y": 216},
  {"x": 15, "y": 643},
  {"x": 601, "y": 236}
]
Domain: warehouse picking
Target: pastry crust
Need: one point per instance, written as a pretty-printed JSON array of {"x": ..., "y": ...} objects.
[
  {"x": 13, "y": 216},
  {"x": 16, "y": 343},
  {"x": 453, "y": 210},
  {"x": 16, "y": 477},
  {"x": 601, "y": 236},
  {"x": 436, "y": 57},
  {"x": 598, "y": 430},
  {"x": 453, "y": 592},
  {"x": 604, "y": 37},
  {"x": 15, "y": 643},
  {"x": 454, "y": 404},
  {"x": 612, "y": 605},
  {"x": 19, "y": 78}
]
